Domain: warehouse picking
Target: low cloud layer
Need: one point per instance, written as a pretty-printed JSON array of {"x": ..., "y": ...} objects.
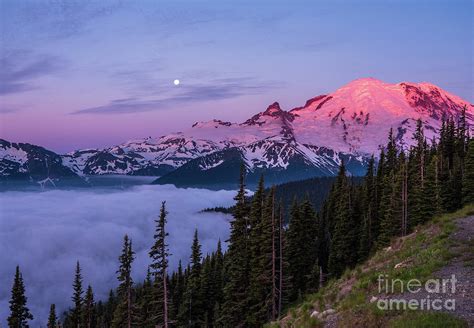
[{"x": 47, "y": 232}]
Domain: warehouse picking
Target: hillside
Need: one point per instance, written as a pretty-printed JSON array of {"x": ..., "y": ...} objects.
[{"x": 436, "y": 250}]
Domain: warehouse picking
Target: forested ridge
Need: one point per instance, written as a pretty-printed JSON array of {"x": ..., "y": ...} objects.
[
  {"x": 315, "y": 190},
  {"x": 270, "y": 264}
]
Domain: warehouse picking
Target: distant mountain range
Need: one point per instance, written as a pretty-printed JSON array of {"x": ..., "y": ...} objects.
[{"x": 347, "y": 125}]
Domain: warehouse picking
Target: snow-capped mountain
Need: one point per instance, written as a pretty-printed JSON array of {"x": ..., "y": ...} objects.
[
  {"x": 140, "y": 157},
  {"x": 347, "y": 125},
  {"x": 23, "y": 161},
  {"x": 356, "y": 117}
]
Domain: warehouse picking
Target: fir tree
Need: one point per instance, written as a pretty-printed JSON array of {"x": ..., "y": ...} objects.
[
  {"x": 369, "y": 204},
  {"x": 123, "y": 315},
  {"x": 263, "y": 272},
  {"x": 468, "y": 178},
  {"x": 159, "y": 255},
  {"x": 105, "y": 313},
  {"x": 88, "y": 309},
  {"x": 75, "y": 315},
  {"x": 237, "y": 266},
  {"x": 147, "y": 302},
  {"x": 416, "y": 173},
  {"x": 392, "y": 223},
  {"x": 301, "y": 251},
  {"x": 343, "y": 241},
  {"x": 429, "y": 197},
  {"x": 218, "y": 278},
  {"x": 19, "y": 312},
  {"x": 192, "y": 309},
  {"x": 391, "y": 154},
  {"x": 178, "y": 289},
  {"x": 52, "y": 318}
]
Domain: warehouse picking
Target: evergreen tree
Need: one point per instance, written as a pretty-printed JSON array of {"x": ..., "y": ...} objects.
[
  {"x": 237, "y": 266},
  {"x": 301, "y": 252},
  {"x": 429, "y": 198},
  {"x": 263, "y": 272},
  {"x": 416, "y": 172},
  {"x": 75, "y": 314},
  {"x": 19, "y": 312},
  {"x": 105, "y": 312},
  {"x": 52, "y": 318},
  {"x": 391, "y": 154},
  {"x": 123, "y": 315},
  {"x": 468, "y": 178},
  {"x": 314, "y": 279},
  {"x": 159, "y": 255},
  {"x": 88, "y": 310},
  {"x": 192, "y": 309},
  {"x": 369, "y": 205},
  {"x": 218, "y": 278},
  {"x": 392, "y": 223},
  {"x": 147, "y": 303},
  {"x": 343, "y": 241},
  {"x": 178, "y": 290}
]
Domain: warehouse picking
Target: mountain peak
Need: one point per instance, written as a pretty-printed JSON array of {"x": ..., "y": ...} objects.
[
  {"x": 272, "y": 109},
  {"x": 365, "y": 83}
]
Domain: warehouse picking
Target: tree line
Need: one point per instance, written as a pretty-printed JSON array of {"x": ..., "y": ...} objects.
[{"x": 270, "y": 264}]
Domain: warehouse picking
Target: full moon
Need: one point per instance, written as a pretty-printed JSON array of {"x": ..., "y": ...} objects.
[{"x": 176, "y": 82}]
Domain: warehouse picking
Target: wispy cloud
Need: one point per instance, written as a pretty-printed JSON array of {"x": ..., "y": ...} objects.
[
  {"x": 53, "y": 20},
  {"x": 19, "y": 69},
  {"x": 8, "y": 110},
  {"x": 216, "y": 89}
]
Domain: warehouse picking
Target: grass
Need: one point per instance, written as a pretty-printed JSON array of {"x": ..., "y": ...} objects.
[
  {"x": 426, "y": 320},
  {"x": 420, "y": 254}
]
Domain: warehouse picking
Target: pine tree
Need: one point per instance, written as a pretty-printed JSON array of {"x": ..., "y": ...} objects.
[
  {"x": 314, "y": 278},
  {"x": 343, "y": 242},
  {"x": 284, "y": 284},
  {"x": 468, "y": 178},
  {"x": 462, "y": 139},
  {"x": 52, "y": 318},
  {"x": 192, "y": 309},
  {"x": 147, "y": 302},
  {"x": 88, "y": 309},
  {"x": 370, "y": 211},
  {"x": 105, "y": 312},
  {"x": 159, "y": 255},
  {"x": 301, "y": 251},
  {"x": 218, "y": 278},
  {"x": 123, "y": 315},
  {"x": 19, "y": 312},
  {"x": 255, "y": 244},
  {"x": 391, "y": 154},
  {"x": 263, "y": 272},
  {"x": 431, "y": 195},
  {"x": 178, "y": 290},
  {"x": 392, "y": 222},
  {"x": 207, "y": 290},
  {"x": 75, "y": 314},
  {"x": 416, "y": 172},
  {"x": 237, "y": 265}
]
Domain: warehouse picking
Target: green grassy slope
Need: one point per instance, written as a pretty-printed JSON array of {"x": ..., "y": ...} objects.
[{"x": 416, "y": 256}]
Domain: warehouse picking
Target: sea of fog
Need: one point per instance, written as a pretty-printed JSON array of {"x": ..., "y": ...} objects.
[{"x": 46, "y": 232}]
